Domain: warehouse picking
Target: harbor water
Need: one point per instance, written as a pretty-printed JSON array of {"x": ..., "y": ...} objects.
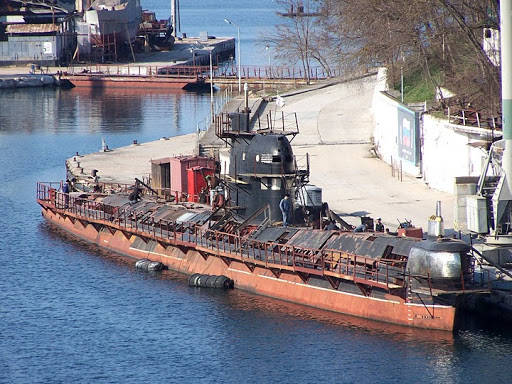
[{"x": 72, "y": 313}]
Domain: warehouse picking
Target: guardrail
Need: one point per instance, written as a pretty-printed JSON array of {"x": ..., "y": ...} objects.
[
  {"x": 52, "y": 191},
  {"x": 201, "y": 71},
  {"x": 323, "y": 262},
  {"x": 276, "y": 72}
]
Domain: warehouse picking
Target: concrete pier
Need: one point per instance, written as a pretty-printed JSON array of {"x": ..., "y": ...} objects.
[
  {"x": 191, "y": 51},
  {"x": 123, "y": 165},
  {"x": 27, "y": 81}
]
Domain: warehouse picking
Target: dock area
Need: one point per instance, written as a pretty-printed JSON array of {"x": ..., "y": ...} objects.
[
  {"x": 186, "y": 65},
  {"x": 190, "y": 51},
  {"x": 183, "y": 64},
  {"x": 335, "y": 123},
  {"x": 123, "y": 165}
]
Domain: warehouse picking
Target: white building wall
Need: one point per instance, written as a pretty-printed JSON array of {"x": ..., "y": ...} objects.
[
  {"x": 447, "y": 153},
  {"x": 386, "y": 120},
  {"x": 385, "y": 133},
  {"x": 445, "y": 149}
]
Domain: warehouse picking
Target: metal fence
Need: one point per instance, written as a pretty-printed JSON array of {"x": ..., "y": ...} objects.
[
  {"x": 223, "y": 72},
  {"x": 473, "y": 118}
]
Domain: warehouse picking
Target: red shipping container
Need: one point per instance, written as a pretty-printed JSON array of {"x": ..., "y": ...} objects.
[
  {"x": 197, "y": 182},
  {"x": 179, "y": 166}
]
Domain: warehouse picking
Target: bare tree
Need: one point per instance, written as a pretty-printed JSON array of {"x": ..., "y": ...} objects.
[
  {"x": 431, "y": 36},
  {"x": 299, "y": 39}
]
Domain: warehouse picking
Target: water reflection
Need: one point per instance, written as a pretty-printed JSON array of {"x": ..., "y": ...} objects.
[{"x": 101, "y": 110}]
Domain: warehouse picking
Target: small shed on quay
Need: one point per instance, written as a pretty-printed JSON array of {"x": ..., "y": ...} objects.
[{"x": 43, "y": 44}]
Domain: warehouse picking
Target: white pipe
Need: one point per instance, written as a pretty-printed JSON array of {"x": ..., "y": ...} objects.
[{"x": 239, "y": 62}]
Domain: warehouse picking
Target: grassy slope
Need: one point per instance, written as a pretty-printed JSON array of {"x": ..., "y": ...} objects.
[{"x": 417, "y": 88}]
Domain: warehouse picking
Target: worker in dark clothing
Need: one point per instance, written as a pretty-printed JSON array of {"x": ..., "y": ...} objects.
[
  {"x": 379, "y": 227},
  {"x": 65, "y": 191},
  {"x": 135, "y": 194},
  {"x": 285, "y": 207},
  {"x": 65, "y": 187}
]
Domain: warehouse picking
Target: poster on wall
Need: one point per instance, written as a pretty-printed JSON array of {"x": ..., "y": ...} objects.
[
  {"x": 47, "y": 48},
  {"x": 408, "y": 135}
]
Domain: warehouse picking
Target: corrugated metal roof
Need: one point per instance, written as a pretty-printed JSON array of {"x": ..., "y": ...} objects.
[{"x": 32, "y": 28}]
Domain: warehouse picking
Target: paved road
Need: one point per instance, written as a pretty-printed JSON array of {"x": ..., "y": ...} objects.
[
  {"x": 122, "y": 165},
  {"x": 336, "y": 124}
]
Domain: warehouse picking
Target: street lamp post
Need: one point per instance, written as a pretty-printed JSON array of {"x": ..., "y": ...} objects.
[
  {"x": 402, "y": 82},
  {"x": 402, "y": 77},
  {"x": 212, "y": 111},
  {"x": 239, "y": 57},
  {"x": 267, "y": 48}
]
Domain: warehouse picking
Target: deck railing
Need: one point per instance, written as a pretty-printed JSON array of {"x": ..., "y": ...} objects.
[{"x": 324, "y": 262}]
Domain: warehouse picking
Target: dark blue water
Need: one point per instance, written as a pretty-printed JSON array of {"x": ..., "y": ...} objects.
[{"x": 73, "y": 313}]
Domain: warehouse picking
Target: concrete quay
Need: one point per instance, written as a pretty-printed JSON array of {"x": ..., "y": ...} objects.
[
  {"x": 27, "y": 81},
  {"x": 190, "y": 51},
  {"x": 123, "y": 165},
  {"x": 336, "y": 124}
]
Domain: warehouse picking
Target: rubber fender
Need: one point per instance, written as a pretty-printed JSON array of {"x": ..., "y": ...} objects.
[
  {"x": 196, "y": 280},
  {"x": 155, "y": 266},
  {"x": 192, "y": 280},
  {"x": 210, "y": 281},
  {"x": 224, "y": 282},
  {"x": 142, "y": 264},
  {"x": 219, "y": 281},
  {"x": 229, "y": 283},
  {"x": 201, "y": 281}
]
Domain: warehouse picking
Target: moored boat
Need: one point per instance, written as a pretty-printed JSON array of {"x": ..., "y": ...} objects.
[
  {"x": 218, "y": 217},
  {"x": 107, "y": 27}
]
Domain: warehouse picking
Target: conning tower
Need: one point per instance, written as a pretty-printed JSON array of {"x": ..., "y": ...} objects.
[{"x": 258, "y": 166}]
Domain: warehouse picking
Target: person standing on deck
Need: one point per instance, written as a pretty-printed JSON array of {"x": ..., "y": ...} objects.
[
  {"x": 379, "y": 227},
  {"x": 285, "y": 207},
  {"x": 65, "y": 191}
]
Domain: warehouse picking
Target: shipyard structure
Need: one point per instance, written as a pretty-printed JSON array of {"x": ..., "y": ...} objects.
[{"x": 55, "y": 33}]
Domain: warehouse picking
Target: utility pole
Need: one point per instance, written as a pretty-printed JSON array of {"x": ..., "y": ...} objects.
[{"x": 506, "y": 87}]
